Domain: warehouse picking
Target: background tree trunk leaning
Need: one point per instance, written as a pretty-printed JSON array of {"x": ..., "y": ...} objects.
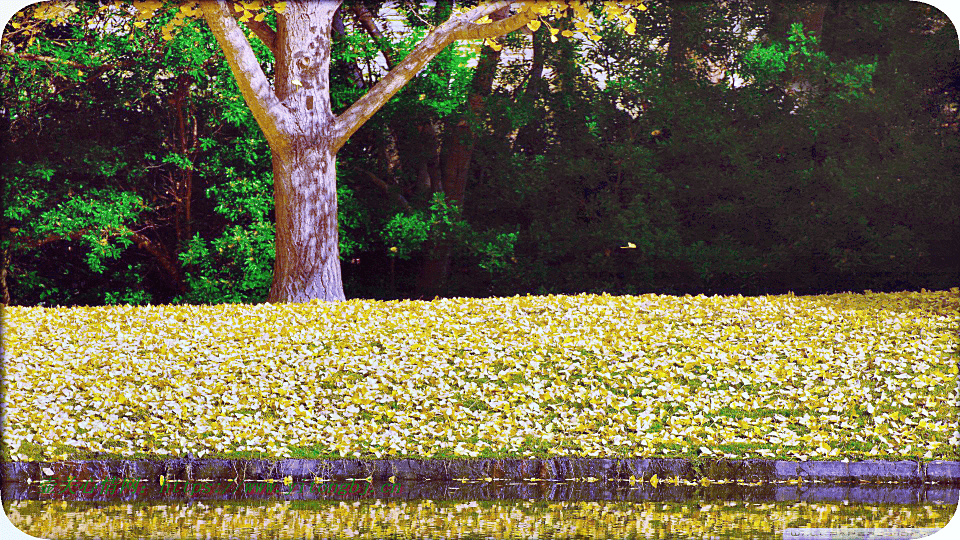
[{"x": 303, "y": 133}]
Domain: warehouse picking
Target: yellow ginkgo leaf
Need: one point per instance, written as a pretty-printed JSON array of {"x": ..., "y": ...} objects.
[
  {"x": 630, "y": 245},
  {"x": 533, "y": 25},
  {"x": 654, "y": 480},
  {"x": 280, "y": 7}
]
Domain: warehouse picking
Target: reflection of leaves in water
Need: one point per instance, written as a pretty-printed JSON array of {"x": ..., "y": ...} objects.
[{"x": 377, "y": 518}]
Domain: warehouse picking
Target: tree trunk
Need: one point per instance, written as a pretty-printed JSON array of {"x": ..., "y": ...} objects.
[
  {"x": 677, "y": 41},
  {"x": 307, "y": 262}
]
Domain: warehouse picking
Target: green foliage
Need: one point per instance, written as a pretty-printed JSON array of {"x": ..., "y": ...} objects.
[
  {"x": 800, "y": 58},
  {"x": 411, "y": 234},
  {"x": 406, "y": 234},
  {"x": 353, "y": 222},
  {"x": 237, "y": 267}
]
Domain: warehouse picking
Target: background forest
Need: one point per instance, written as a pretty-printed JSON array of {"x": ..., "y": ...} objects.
[{"x": 722, "y": 147}]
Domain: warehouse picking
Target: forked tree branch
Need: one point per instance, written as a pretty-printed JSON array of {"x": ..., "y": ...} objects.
[{"x": 271, "y": 115}]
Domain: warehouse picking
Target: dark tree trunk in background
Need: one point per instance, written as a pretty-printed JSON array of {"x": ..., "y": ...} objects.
[
  {"x": 455, "y": 156},
  {"x": 530, "y": 139},
  {"x": 677, "y": 40}
]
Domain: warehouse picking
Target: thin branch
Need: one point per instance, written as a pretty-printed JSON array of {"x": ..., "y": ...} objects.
[{"x": 386, "y": 189}]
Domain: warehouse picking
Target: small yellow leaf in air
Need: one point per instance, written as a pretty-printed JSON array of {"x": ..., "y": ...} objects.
[
  {"x": 630, "y": 245},
  {"x": 287, "y": 480},
  {"x": 642, "y": 7},
  {"x": 296, "y": 83},
  {"x": 392, "y": 479},
  {"x": 654, "y": 480},
  {"x": 567, "y": 33},
  {"x": 633, "y": 480},
  {"x": 260, "y": 17},
  {"x": 533, "y": 25},
  {"x": 631, "y": 28}
]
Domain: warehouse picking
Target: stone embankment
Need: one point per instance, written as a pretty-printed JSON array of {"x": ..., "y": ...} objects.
[{"x": 705, "y": 471}]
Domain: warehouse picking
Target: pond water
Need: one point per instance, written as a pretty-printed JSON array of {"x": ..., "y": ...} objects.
[{"x": 549, "y": 510}]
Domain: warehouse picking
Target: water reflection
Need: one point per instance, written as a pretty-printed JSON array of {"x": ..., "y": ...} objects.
[{"x": 480, "y": 510}]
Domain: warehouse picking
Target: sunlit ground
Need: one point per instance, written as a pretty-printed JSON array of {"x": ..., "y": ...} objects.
[{"x": 855, "y": 376}]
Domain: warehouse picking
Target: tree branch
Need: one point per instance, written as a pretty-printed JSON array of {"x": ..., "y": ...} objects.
[
  {"x": 482, "y": 31},
  {"x": 386, "y": 189},
  {"x": 160, "y": 253},
  {"x": 365, "y": 18},
  {"x": 263, "y": 31},
  {"x": 271, "y": 115},
  {"x": 460, "y": 27}
]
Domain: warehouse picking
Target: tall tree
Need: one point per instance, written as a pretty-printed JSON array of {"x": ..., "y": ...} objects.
[{"x": 303, "y": 133}]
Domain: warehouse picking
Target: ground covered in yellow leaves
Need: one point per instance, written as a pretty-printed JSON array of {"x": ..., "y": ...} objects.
[{"x": 857, "y": 376}]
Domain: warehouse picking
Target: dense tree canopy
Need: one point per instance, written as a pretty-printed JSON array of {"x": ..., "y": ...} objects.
[{"x": 736, "y": 146}]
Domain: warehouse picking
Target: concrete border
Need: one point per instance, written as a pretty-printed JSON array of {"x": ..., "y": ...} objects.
[{"x": 747, "y": 471}]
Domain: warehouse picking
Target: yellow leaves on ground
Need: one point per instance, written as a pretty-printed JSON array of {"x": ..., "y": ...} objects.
[{"x": 780, "y": 376}]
